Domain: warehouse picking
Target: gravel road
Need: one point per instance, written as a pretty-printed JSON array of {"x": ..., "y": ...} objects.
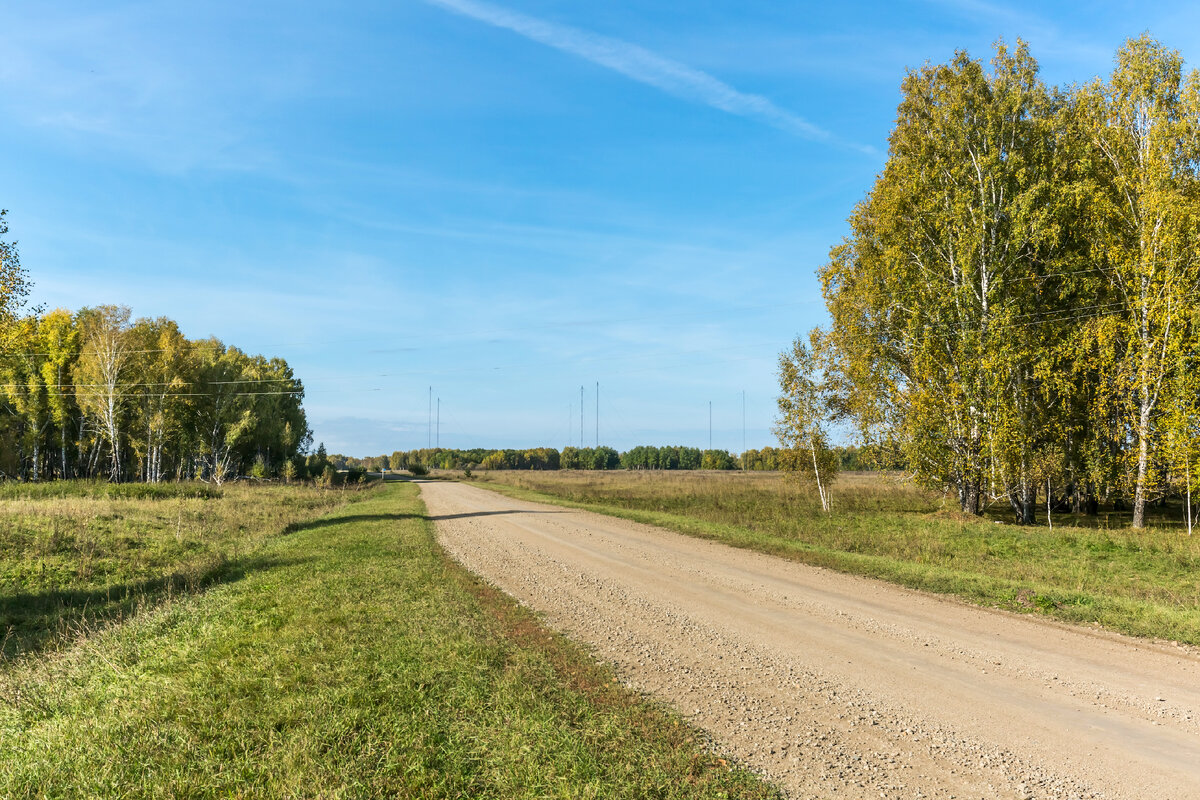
[{"x": 839, "y": 687}]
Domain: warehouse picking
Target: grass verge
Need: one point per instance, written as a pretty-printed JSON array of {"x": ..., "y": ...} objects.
[
  {"x": 1143, "y": 583},
  {"x": 77, "y": 553},
  {"x": 352, "y": 660}
]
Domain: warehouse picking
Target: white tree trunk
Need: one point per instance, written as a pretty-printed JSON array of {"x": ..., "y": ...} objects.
[
  {"x": 812, "y": 448},
  {"x": 1139, "y": 495},
  {"x": 1187, "y": 510},
  {"x": 1049, "y": 521}
]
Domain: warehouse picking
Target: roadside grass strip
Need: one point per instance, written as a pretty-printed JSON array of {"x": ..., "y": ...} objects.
[
  {"x": 350, "y": 658},
  {"x": 78, "y": 554},
  {"x": 1139, "y": 583}
]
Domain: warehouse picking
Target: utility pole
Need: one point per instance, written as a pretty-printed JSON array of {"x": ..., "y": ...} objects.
[{"x": 597, "y": 414}]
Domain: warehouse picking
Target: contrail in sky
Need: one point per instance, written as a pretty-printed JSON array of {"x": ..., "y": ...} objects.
[{"x": 644, "y": 66}]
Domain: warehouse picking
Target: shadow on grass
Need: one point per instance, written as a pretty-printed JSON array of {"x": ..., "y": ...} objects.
[
  {"x": 33, "y": 622},
  {"x": 349, "y": 519},
  {"x": 352, "y": 519},
  {"x": 466, "y": 514}
]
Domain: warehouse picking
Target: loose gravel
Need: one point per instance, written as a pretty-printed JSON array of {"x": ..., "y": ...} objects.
[{"x": 834, "y": 686}]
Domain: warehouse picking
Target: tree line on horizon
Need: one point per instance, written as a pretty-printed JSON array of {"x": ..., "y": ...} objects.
[
  {"x": 646, "y": 457},
  {"x": 1014, "y": 313}
]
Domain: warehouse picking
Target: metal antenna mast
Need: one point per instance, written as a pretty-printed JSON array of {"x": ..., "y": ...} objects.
[
  {"x": 597, "y": 413},
  {"x": 439, "y": 424}
]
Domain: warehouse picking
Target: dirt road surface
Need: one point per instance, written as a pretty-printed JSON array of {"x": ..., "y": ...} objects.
[{"x": 838, "y": 687}]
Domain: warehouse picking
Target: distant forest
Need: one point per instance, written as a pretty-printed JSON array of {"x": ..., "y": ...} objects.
[{"x": 594, "y": 458}]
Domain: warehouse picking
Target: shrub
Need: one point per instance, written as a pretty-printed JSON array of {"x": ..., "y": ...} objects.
[
  {"x": 259, "y": 469},
  {"x": 329, "y": 476}
]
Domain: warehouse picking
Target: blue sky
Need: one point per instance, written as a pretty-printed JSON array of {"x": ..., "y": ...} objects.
[{"x": 504, "y": 201}]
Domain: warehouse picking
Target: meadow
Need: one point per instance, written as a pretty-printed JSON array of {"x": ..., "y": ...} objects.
[
  {"x": 283, "y": 641},
  {"x": 1090, "y": 570},
  {"x": 75, "y": 554}
]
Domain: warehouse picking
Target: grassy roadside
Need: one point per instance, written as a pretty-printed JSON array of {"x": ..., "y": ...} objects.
[
  {"x": 74, "y": 554},
  {"x": 1140, "y": 583},
  {"x": 352, "y": 660}
]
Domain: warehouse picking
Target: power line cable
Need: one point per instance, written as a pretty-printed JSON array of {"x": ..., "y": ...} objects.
[
  {"x": 153, "y": 383},
  {"x": 189, "y": 394},
  {"x": 470, "y": 336}
]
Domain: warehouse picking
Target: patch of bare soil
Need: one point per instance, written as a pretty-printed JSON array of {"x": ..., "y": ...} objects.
[{"x": 835, "y": 686}]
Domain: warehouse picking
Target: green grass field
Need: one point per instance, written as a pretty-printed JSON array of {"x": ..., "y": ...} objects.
[
  {"x": 342, "y": 655},
  {"x": 1145, "y": 583},
  {"x": 74, "y": 554}
]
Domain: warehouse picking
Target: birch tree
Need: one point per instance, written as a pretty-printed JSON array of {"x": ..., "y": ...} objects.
[
  {"x": 101, "y": 375},
  {"x": 934, "y": 294},
  {"x": 14, "y": 284},
  {"x": 22, "y": 382},
  {"x": 60, "y": 341},
  {"x": 166, "y": 369},
  {"x": 278, "y": 417},
  {"x": 804, "y": 408},
  {"x": 23, "y": 387},
  {"x": 1180, "y": 444},
  {"x": 1144, "y": 124},
  {"x": 223, "y": 407}
]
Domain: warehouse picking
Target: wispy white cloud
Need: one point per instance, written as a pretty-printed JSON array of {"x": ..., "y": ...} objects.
[
  {"x": 645, "y": 66},
  {"x": 1049, "y": 40},
  {"x": 137, "y": 80}
]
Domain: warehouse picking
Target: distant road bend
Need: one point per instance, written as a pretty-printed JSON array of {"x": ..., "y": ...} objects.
[{"x": 839, "y": 687}]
